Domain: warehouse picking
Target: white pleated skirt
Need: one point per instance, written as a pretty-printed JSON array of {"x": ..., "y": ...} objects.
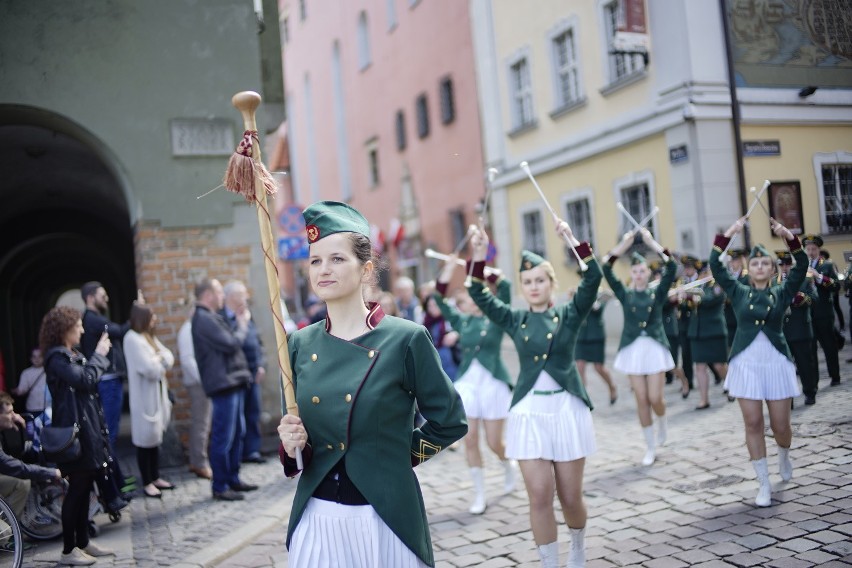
[
  {"x": 482, "y": 395},
  {"x": 644, "y": 356},
  {"x": 555, "y": 427},
  {"x": 761, "y": 372},
  {"x": 331, "y": 535}
]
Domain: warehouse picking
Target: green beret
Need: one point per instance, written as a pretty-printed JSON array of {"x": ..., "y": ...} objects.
[
  {"x": 636, "y": 258},
  {"x": 530, "y": 260},
  {"x": 758, "y": 251},
  {"x": 325, "y": 218},
  {"x": 812, "y": 240}
]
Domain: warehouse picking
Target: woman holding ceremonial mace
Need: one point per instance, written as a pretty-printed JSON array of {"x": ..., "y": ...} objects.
[
  {"x": 358, "y": 375},
  {"x": 643, "y": 354},
  {"x": 761, "y": 366},
  {"x": 482, "y": 382},
  {"x": 549, "y": 429}
]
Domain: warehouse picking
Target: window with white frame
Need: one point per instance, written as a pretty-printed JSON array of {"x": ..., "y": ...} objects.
[
  {"x": 637, "y": 200},
  {"x": 364, "y": 56},
  {"x": 621, "y": 65},
  {"x": 837, "y": 197},
  {"x": 521, "y": 94},
  {"x": 533, "y": 229},
  {"x": 578, "y": 215},
  {"x": 566, "y": 69}
]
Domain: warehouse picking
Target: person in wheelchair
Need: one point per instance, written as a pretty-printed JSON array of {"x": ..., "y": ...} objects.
[{"x": 15, "y": 475}]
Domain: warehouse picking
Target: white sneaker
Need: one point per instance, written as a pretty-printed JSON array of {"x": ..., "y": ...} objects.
[
  {"x": 76, "y": 558},
  {"x": 649, "y": 458},
  {"x": 577, "y": 553},
  {"x": 93, "y": 549},
  {"x": 764, "y": 494},
  {"x": 479, "y": 503}
]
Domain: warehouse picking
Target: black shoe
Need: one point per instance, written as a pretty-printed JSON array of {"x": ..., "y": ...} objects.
[
  {"x": 810, "y": 400},
  {"x": 835, "y": 382},
  {"x": 242, "y": 487},
  {"x": 228, "y": 495},
  {"x": 255, "y": 459},
  {"x": 702, "y": 406}
]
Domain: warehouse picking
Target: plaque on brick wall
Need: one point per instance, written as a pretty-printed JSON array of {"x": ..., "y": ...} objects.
[{"x": 202, "y": 137}]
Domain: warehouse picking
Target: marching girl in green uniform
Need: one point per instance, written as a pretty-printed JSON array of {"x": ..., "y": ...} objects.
[
  {"x": 482, "y": 379},
  {"x": 708, "y": 335},
  {"x": 591, "y": 344},
  {"x": 357, "y": 376},
  {"x": 643, "y": 354},
  {"x": 549, "y": 429},
  {"x": 761, "y": 367}
]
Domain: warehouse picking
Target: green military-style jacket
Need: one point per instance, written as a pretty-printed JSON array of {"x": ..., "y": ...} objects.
[
  {"x": 545, "y": 340},
  {"x": 823, "y": 308},
  {"x": 671, "y": 313},
  {"x": 592, "y": 329},
  {"x": 759, "y": 310},
  {"x": 479, "y": 338},
  {"x": 797, "y": 319},
  {"x": 643, "y": 309},
  {"x": 708, "y": 321},
  {"x": 357, "y": 400}
]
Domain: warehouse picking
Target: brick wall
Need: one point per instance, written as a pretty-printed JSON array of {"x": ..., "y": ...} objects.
[{"x": 168, "y": 264}]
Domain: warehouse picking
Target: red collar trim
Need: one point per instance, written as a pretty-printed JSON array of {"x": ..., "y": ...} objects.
[{"x": 374, "y": 316}]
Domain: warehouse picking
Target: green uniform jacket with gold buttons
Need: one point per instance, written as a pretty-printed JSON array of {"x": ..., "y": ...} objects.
[
  {"x": 797, "y": 319},
  {"x": 356, "y": 399},
  {"x": 643, "y": 310},
  {"x": 545, "y": 340},
  {"x": 823, "y": 309},
  {"x": 759, "y": 310},
  {"x": 708, "y": 321},
  {"x": 479, "y": 339}
]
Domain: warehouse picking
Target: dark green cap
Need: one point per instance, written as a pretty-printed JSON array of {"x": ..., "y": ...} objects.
[
  {"x": 758, "y": 251},
  {"x": 530, "y": 260},
  {"x": 326, "y": 218},
  {"x": 811, "y": 239},
  {"x": 784, "y": 257},
  {"x": 636, "y": 258}
]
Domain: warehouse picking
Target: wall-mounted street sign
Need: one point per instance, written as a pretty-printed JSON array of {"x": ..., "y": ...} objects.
[
  {"x": 678, "y": 154},
  {"x": 753, "y": 148}
]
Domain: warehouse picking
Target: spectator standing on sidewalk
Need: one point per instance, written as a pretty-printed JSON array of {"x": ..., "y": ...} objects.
[
  {"x": 357, "y": 378},
  {"x": 236, "y": 313},
  {"x": 225, "y": 376},
  {"x": 549, "y": 429},
  {"x": 761, "y": 367},
  {"x": 200, "y": 409},
  {"x": 73, "y": 382},
  {"x": 33, "y": 383}
]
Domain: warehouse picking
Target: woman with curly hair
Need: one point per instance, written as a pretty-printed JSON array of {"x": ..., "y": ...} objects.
[{"x": 73, "y": 383}]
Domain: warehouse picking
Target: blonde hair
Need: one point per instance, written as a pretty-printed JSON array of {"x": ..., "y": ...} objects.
[{"x": 548, "y": 269}]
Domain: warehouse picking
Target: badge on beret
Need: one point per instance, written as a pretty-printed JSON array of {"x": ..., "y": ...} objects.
[
  {"x": 530, "y": 260},
  {"x": 636, "y": 258},
  {"x": 758, "y": 251},
  {"x": 326, "y": 218}
]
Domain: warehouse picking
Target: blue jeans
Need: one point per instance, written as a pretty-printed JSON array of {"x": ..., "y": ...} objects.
[
  {"x": 112, "y": 398},
  {"x": 226, "y": 438},
  {"x": 251, "y": 442}
]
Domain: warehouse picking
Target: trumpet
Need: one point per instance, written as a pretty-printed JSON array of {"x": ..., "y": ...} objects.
[{"x": 430, "y": 253}]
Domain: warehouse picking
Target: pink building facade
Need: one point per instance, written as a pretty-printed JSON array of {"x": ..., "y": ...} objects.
[{"x": 382, "y": 113}]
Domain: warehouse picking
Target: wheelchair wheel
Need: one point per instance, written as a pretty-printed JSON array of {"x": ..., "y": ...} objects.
[
  {"x": 11, "y": 539},
  {"x": 42, "y": 515}
]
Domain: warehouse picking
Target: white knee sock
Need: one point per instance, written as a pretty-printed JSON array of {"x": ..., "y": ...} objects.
[
  {"x": 577, "y": 554},
  {"x": 764, "y": 493},
  {"x": 662, "y": 430},
  {"x": 510, "y": 476},
  {"x": 549, "y": 554},
  {"x": 785, "y": 466},
  {"x": 479, "y": 504}
]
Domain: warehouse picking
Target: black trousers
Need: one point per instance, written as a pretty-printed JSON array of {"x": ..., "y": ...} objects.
[
  {"x": 686, "y": 358},
  {"x": 806, "y": 365},
  {"x": 824, "y": 335},
  {"x": 149, "y": 464},
  {"x": 75, "y": 510}
]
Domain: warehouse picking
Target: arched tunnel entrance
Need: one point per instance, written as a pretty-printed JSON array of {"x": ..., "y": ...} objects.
[{"x": 65, "y": 220}]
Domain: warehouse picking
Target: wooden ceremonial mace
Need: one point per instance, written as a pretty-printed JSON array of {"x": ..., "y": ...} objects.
[{"x": 255, "y": 191}]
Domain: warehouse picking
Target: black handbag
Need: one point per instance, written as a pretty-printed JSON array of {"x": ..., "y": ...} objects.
[{"x": 61, "y": 444}]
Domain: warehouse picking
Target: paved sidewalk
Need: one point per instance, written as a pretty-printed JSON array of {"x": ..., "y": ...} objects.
[{"x": 693, "y": 507}]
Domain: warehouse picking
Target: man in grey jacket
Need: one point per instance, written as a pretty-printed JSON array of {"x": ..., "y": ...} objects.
[{"x": 225, "y": 376}]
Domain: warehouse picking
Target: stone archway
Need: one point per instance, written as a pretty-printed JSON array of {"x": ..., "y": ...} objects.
[{"x": 65, "y": 220}]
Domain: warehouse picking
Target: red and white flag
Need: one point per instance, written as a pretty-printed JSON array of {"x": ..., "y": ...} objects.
[
  {"x": 377, "y": 237},
  {"x": 397, "y": 232}
]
